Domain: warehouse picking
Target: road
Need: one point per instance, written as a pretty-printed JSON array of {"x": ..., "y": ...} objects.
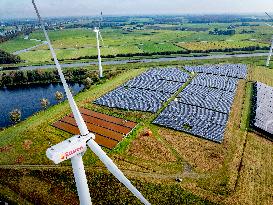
[
  {"x": 29, "y": 49},
  {"x": 145, "y": 61}
]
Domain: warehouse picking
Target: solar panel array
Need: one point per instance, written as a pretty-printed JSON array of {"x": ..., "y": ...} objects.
[
  {"x": 108, "y": 130},
  {"x": 203, "y": 107},
  {"x": 229, "y": 70},
  {"x": 146, "y": 92},
  {"x": 264, "y": 107}
]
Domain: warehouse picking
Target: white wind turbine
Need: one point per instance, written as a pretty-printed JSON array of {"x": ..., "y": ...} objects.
[
  {"x": 75, "y": 147},
  {"x": 271, "y": 47},
  {"x": 99, "y": 37}
]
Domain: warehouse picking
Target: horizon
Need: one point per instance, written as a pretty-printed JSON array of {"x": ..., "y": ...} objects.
[
  {"x": 23, "y": 9},
  {"x": 259, "y": 14}
]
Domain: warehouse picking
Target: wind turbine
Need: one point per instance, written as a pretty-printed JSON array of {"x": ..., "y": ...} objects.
[
  {"x": 271, "y": 47},
  {"x": 75, "y": 147},
  {"x": 99, "y": 37}
]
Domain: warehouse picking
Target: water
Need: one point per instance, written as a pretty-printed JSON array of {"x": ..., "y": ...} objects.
[{"x": 27, "y": 99}]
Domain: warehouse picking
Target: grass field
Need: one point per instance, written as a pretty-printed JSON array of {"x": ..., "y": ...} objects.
[
  {"x": 75, "y": 43},
  {"x": 151, "y": 47},
  {"x": 207, "y": 46},
  {"x": 17, "y": 44}
]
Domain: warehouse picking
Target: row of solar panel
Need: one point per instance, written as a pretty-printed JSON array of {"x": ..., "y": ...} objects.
[
  {"x": 230, "y": 70},
  {"x": 214, "y": 81},
  {"x": 170, "y": 74},
  {"x": 134, "y": 99},
  {"x": 264, "y": 110},
  {"x": 154, "y": 84},
  {"x": 210, "y": 98}
]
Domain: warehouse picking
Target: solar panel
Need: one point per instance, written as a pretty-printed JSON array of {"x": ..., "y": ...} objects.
[
  {"x": 146, "y": 92},
  {"x": 263, "y": 113},
  {"x": 229, "y": 70},
  {"x": 194, "y": 120}
]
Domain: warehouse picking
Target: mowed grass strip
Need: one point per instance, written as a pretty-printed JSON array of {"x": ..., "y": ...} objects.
[{"x": 206, "y": 46}]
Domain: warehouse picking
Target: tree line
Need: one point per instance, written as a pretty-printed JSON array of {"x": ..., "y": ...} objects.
[
  {"x": 72, "y": 75},
  {"x": 249, "y": 48},
  {"x": 131, "y": 55},
  {"x": 7, "y": 58}
]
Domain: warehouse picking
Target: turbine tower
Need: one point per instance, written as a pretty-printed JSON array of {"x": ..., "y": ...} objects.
[
  {"x": 271, "y": 47},
  {"x": 75, "y": 147},
  {"x": 98, "y": 37}
]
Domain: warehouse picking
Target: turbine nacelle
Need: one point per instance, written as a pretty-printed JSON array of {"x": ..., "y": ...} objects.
[
  {"x": 67, "y": 149},
  {"x": 96, "y": 29}
]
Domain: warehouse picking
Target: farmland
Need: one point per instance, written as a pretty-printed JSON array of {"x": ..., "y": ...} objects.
[
  {"x": 16, "y": 44},
  {"x": 221, "y": 45},
  {"x": 127, "y": 41}
]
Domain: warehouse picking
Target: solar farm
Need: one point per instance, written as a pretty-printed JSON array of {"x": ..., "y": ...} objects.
[
  {"x": 263, "y": 110},
  {"x": 201, "y": 109}
]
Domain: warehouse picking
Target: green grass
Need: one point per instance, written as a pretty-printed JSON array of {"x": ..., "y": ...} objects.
[
  {"x": 151, "y": 47},
  {"x": 206, "y": 46},
  {"x": 17, "y": 44},
  {"x": 245, "y": 120}
]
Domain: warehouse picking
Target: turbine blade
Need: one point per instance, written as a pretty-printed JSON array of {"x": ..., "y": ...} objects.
[
  {"x": 115, "y": 170},
  {"x": 269, "y": 16},
  {"x": 102, "y": 42}
]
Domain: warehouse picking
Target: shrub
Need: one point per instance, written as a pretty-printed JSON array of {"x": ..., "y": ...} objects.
[
  {"x": 87, "y": 82},
  {"x": 44, "y": 103},
  {"x": 15, "y": 116},
  {"x": 59, "y": 96}
]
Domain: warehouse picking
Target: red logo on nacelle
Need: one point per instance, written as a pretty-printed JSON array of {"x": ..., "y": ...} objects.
[{"x": 69, "y": 153}]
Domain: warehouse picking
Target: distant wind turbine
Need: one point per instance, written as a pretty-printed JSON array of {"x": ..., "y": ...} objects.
[
  {"x": 99, "y": 37},
  {"x": 75, "y": 147},
  {"x": 271, "y": 47}
]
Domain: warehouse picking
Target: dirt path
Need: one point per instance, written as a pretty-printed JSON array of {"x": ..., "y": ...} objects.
[{"x": 154, "y": 175}]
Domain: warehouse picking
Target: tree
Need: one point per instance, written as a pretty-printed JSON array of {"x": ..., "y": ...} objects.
[
  {"x": 15, "y": 116},
  {"x": 59, "y": 96},
  {"x": 87, "y": 82},
  {"x": 44, "y": 103},
  {"x": 7, "y": 58}
]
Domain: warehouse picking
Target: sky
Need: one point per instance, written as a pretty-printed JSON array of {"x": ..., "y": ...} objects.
[{"x": 24, "y": 9}]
